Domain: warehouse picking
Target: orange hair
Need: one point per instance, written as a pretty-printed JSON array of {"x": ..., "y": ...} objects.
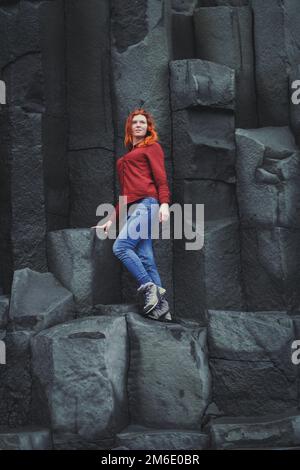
[{"x": 151, "y": 135}]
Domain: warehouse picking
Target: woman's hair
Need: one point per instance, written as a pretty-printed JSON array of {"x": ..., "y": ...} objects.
[{"x": 151, "y": 135}]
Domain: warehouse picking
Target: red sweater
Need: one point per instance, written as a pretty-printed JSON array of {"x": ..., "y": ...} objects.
[{"x": 142, "y": 173}]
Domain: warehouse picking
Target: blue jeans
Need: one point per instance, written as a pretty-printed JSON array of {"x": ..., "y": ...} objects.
[{"x": 136, "y": 253}]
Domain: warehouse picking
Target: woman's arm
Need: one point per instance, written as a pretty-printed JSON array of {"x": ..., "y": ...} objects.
[{"x": 156, "y": 159}]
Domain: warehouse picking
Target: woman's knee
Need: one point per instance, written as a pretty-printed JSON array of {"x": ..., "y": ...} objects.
[{"x": 117, "y": 248}]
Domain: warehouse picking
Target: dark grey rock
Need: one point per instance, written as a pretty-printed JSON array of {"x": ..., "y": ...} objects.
[
  {"x": 271, "y": 268},
  {"x": 88, "y": 75},
  {"x": 142, "y": 438},
  {"x": 270, "y": 63},
  {"x": 294, "y": 76},
  {"x": 85, "y": 265},
  {"x": 218, "y": 198},
  {"x": 6, "y": 265},
  {"x": 52, "y": 37},
  {"x": 222, "y": 265},
  {"x": 91, "y": 184},
  {"x": 115, "y": 309},
  {"x": 168, "y": 377},
  {"x": 15, "y": 380},
  {"x": 248, "y": 388},
  {"x": 189, "y": 283},
  {"x": 196, "y": 82},
  {"x": 25, "y": 438},
  {"x": 204, "y": 144},
  {"x": 28, "y": 223},
  {"x": 290, "y": 9},
  {"x": 19, "y": 30},
  {"x": 4, "y": 308},
  {"x": 39, "y": 301},
  {"x": 24, "y": 82},
  {"x": 183, "y": 37},
  {"x": 252, "y": 373},
  {"x": 184, "y": 6},
  {"x": 215, "y": 3},
  {"x": 140, "y": 56},
  {"x": 267, "y": 432},
  {"x": 249, "y": 336},
  {"x": 56, "y": 171},
  {"x": 124, "y": 14},
  {"x": 268, "y": 170},
  {"x": 224, "y": 35},
  {"x": 79, "y": 387},
  {"x": 210, "y": 275}
]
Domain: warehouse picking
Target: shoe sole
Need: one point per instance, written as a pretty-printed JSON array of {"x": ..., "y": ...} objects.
[
  {"x": 162, "y": 318},
  {"x": 145, "y": 312}
]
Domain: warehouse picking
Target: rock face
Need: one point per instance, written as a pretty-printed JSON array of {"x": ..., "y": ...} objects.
[
  {"x": 15, "y": 380},
  {"x": 79, "y": 378},
  {"x": 203, "y": 104},
  {"x": 272, "y": 431},
  {"x": 86, "y": 266},
  {"x": 4, "y": 308},
  {"x": 224, "y": 35},
  {"x": 251, "y": 371},
  {"x": 79, "y": 366},
  {"x": 139, "y": 437},
  {"x": 38, "y": 301},
  {"x": 26, "y": 438},
  {"x": 268, "y": 170},
  {"x": 168, "y": 377}
]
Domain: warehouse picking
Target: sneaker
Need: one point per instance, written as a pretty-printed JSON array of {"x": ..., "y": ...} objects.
[
  {"x": 151, "y": 296},
  {"x": 161, "y": 312}
]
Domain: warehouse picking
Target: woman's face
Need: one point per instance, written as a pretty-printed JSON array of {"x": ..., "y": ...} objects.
[{"x": 139, "y": 125}]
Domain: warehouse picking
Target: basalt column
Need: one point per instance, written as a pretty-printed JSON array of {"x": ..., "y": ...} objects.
[
  {"x": 203, "y": 103},
  {"x": 140, "y": 57}
]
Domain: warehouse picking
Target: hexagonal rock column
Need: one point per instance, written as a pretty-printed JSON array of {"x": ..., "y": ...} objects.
[
  {"x": 86, "y": 266},
  {"x": 39, "y": 301},
  {"x": 25, "y": 438},
  {"x": 203, "y": 101},
  {"x": 217, "y": 3},
  {"x": 140, "y": 58},
  {"x": 250, "y": 361},
  {"x": 15, "y": 380},
  {"x": 4, "y": 308},
  {"x": 79, "y": 381},
  {"x": 224, "y": 35},
  {"x": 23, "y": 221},
  {"x": 268, "y": 172},
  {"x": 168, "y": 377},
  {"x": 270, "y": 431},
  {"x": 294, "y": 102},
  {"x": 91, "y": 132},
  {"x": 140, "y": 437},
  {"x": 274, "y": 58},
  {"x": 183, "y": 36}
]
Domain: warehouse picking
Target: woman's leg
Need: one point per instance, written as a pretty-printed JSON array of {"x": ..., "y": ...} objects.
[
  {"x": 145, "y": 253},
  {"x": 125, "y": 244}
]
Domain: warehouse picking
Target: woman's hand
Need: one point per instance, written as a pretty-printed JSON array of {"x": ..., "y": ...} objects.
[
  {"x": 105, "y": 226},
  {"x": 164, "y": 212}
]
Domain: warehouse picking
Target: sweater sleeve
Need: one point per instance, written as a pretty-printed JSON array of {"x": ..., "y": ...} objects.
[{"x": 156, "y": 159}]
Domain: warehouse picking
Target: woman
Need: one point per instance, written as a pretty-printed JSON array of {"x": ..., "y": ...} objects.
[{"x": 143, "y": 180}]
